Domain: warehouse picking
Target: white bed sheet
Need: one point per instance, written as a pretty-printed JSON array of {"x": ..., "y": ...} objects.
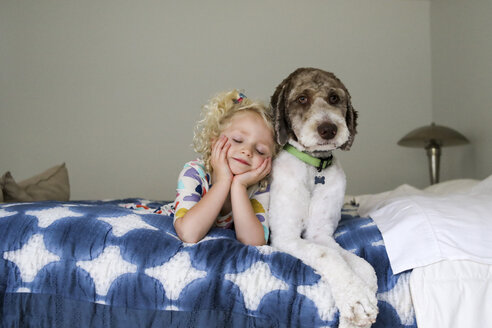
[{"x": 452, "y": 294}]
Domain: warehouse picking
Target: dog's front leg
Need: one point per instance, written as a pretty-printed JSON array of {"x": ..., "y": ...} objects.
[
  {"x": 358, "y": 306},
  {"x": 356, "y": 302},
  {"x": 324, "y": 216},
  {"x": 360, "y": 303},
  {"x": 359, "y": 266}
]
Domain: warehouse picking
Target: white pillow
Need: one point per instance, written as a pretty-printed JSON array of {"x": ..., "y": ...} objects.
[
  {"x": 370, "y": 202},
  {"x": 425, "y": 227},
  {"x": 451, "y": 186}
]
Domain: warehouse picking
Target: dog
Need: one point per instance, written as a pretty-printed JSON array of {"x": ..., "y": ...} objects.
[{"x": 313, "y": 116}]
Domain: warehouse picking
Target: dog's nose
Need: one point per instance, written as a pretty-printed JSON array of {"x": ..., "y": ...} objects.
[{"x": 327, "y": 130}]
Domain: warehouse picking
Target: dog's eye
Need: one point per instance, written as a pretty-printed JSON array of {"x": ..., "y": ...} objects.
[
  {"x": 334, "y": 99},
  {"x": 302, "y": 99}
]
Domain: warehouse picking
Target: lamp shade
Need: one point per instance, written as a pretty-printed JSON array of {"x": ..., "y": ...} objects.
[
  {"x": 432, "y": 138},
  {"x": 436, "y": 135}
]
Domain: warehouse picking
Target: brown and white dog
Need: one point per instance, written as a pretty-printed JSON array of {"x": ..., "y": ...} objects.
[{"x": 313, "y": 116}]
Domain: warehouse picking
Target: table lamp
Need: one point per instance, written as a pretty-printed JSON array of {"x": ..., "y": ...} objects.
[{"x": 432, "y": 138}]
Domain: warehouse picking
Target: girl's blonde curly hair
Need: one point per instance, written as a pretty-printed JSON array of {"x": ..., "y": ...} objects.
[{"x": 216, "y": 116}]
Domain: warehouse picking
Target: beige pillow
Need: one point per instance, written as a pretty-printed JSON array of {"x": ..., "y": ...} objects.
[{"x": 52, "y": 184}]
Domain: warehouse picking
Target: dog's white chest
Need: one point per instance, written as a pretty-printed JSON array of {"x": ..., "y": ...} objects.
[
  {"x": 299, "y": 187},
  {"x": 289, "y": 171}
]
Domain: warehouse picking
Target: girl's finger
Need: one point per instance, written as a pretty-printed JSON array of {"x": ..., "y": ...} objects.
[
  {"x": 267, "y": 168},
  {"x": 224, "y": 150},
  {"x": 260, "y": 167},
  {"x": 223, "y": 141},
  {"x": 217, "y": 147},
  {"x": 266, "y": 163},
  {"x": 259, "y": 172}
]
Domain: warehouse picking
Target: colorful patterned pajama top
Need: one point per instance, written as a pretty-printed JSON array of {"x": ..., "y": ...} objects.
[{"x": 194, "y": 182}]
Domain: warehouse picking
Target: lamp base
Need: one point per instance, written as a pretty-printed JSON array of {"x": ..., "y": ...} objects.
[{"x": 434, "y": 155}]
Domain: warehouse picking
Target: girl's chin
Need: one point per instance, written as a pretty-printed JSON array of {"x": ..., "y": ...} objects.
[{"x": 236, "y": 170}]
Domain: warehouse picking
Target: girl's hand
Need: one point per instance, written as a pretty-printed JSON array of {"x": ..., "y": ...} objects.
[
  {"x": 218, "y": 161},
  {"x": 255, "y": 175}
]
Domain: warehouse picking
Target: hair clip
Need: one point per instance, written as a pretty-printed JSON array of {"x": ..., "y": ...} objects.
[{"x": 240, "y": 98}]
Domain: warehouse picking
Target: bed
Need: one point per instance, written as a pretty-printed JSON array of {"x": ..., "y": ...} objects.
[
  {"x": 119, "y": 263},
  {"x": 442, "y": 234}
]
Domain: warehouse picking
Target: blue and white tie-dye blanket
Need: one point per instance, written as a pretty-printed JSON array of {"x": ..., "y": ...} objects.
[{"x": 99, "y": 264}]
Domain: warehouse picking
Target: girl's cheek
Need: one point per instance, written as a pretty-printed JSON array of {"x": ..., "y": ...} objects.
[{"x": 229, "y": 165}]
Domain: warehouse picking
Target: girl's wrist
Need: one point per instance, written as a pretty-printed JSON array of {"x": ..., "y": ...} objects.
[
  {"x": 238, "y": 184},
  {"x": 221, "y": 178},
  {"x": 222, "y": 184}
]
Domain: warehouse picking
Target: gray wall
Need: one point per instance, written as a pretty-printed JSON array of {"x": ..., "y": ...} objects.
[
  {"x": 461, "y": 34},
  {"x": 113, "y": 88}
]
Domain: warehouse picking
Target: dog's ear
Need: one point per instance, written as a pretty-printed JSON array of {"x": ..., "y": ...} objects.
[
  {"x": 351, "y": 121},
  {"x": 279, "y": 104}
]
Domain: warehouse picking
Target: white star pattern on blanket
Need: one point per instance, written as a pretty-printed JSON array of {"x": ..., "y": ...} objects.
[
  {"x": 31, "y": 258},
  {"x": 400, "y": 299},
  {"x": 175, "y": 274},
  {"x": 320, "y": 294},
  {"x": 15, "y": 204},
  {"x": 48, "y": 216},
  {"x": 5, "y": 214},
  {"x": 378, "y": 243},
  {"x": 106, "y": 268},
  {"x": 206, "y": 238},
  {"x": 123, "y": 224},
  {"x": 370, "y": 224},
  {"x": 255, "y": 283},
  {"x": 338, "y": 234},
  {"x": 266, "y": 250}
]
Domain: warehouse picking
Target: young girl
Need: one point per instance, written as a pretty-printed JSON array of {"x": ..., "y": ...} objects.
[{"x": 229, "y": 182}]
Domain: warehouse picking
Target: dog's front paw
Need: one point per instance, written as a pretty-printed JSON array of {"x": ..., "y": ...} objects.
[
  {"x": 345, "y": 323},
  {"x": 358, "y": 307}
]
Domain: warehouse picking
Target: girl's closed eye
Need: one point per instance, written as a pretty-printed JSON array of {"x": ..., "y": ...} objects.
[{"x": 263, "y": 151}]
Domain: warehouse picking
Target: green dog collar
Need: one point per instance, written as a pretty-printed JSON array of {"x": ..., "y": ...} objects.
[{"x": 319, "y": 163}]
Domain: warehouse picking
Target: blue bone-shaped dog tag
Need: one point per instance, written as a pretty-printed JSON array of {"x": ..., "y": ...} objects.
[{"x": 320, "y": 180}]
